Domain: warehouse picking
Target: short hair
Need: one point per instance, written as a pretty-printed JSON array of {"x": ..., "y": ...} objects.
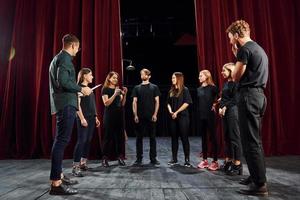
[
  {"x": 146, "y": 71},
  {"x": 68, "y": 39},
  {"x": 240, "y": 27}
]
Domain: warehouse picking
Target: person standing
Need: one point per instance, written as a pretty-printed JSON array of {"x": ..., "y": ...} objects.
[
  {"x": 145, "y": 107},
  {"x": 251, "y": 73},
  {"x": 64, "y": 104},
  {"x": 179, "y": 99}
]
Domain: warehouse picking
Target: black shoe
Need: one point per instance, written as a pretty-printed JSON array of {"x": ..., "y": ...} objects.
[
  {"x": 255, "y": 190},
  {"x": 246, "y": 181},
  {"x": 76, "y": 171},
  {"x": 226, "y": 166},
  {"x": 121, "y": 162},
  {"x": 62, "y": 190},
  {"x": 67, "y": 181},
  {"x": 154, "y": 162},
  {"x": 235, "y": 170},
  {"x": 172, "y": 162},
  {"x": 138, "y": 162},
  {"x": 105, "y": 163},
  {"x": 187, "y": 164}
]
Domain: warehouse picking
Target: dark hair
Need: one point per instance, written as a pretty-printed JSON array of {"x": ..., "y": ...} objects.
[
  {"x": 109, "y": 75},
  {"x": 146, "y": 71},
  {"x": 68, "y": 39},
  {"x": 180, "y": 85},
  {"x": 81, "y": 74},
  {"x": 240, "y": 27}
]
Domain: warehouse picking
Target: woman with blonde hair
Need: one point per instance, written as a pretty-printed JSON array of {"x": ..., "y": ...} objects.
[
  {"x": 179, "y": 99},
  {"x": 207, "y": 95},
  {"x": 114, "y": 100}
]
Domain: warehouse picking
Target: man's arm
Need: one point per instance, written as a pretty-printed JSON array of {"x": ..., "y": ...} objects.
[{"x": 238, "y": 71}]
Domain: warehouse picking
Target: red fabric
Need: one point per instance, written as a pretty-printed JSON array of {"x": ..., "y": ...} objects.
[
  {"x": 274, "y": 25},
  {"x": 35, "y": 29}
]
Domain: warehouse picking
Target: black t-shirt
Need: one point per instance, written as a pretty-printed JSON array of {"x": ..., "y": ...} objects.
[
  {"x": 229, "y": 94},
  {"x": 145, "y": 94},
  {"x": 116, "y": 104},
  {"x": 88, "y": 105},
  {"x": 177, "y": 102},
  {"x": 206, "y": 97},
  {"x": 256, "y": 61}
]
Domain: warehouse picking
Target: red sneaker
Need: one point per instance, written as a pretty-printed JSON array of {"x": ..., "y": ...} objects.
[
  {"x": 214, "y": 166},
  {"x": 203, "y": 164}
]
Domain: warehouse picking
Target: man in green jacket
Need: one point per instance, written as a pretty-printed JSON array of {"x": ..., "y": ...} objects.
[{"x": 63, "y": 100}]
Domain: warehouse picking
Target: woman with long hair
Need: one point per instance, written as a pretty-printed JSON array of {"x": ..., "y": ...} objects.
[
  {"x": 114, "y": 100},
  {"x": 229, "y": 112},
  {"x": 206, "y": 96},
  {"x": 86, "y": 121},
  {"x": 179, "y": 99}
]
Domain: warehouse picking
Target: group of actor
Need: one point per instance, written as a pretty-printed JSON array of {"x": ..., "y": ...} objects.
[{"x": 241, "y": 104}]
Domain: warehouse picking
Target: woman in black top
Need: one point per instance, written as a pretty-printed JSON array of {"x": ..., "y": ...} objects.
[
  {"x": 114, "y": 100},
  {"x": 207, "y": 95},
  {"x": 179, "y": 99},
  {"x": 229, "y": 112},
  {"x": 86, "y": 121}
]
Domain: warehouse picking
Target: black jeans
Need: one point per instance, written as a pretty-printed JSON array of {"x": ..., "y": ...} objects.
[
  {"x": 179, "y": 127},
  {"x": 208, "y": 126},
  {"x": 231, "y": 130},
  {"x": 64, "y": 125},
  {"x": 252, "y": 105},
  {"x": 143, "y": 128},
  {"x": 84, "y": 137}
]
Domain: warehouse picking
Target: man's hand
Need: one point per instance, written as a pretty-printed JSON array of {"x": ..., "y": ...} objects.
[
  {"x": 136, "y": 119},
  {"x": 86, "y": 91},
  {"x": 84, "y": 122},
  {"x": 97, "y": 122},
  {"x": 154, "y": 118}
]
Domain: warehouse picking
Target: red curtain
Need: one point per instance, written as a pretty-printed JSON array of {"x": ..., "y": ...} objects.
[
  {"x": 274, "y": 25},
  {"x": 33, "y": 30}
]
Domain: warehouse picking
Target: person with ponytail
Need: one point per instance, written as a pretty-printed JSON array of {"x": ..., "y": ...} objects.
[{"x": 86, "y": 121}]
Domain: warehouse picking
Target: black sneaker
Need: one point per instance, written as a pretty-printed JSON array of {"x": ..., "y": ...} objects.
[
  {"x": 67, "y": 181},
  {"x": 121, "y": 162},
  {"x": 138, "y": 162},
  {"x": 187, "y": 164},
  {"x": 62, "y": 190},
  {"x": 172, "y": 162},
  {"x": 105, "y": 163},
  {"x": 235, "y": 170},
  {"x": 76, "y": 171},
  {"x": 154, "y": 162}
]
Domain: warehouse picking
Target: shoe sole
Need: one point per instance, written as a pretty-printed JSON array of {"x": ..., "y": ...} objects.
[
  {"x": 263, "y": 194},
  {"x": 62, "y": 193}
]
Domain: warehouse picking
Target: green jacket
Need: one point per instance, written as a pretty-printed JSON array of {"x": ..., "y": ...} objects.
[{"x": 62, "y": 82}]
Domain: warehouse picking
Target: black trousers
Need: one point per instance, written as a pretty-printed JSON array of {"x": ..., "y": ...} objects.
[
  {"x": 84, "y": 137},
  {"x": 64, "y": 125},
  {"x": 208, "y": 127},
  {"x": 252, "y": 105},
  {"x": 143, "y": 128},
  {"x": 179, "y": 127},
  {"x": 233, "y": 148}
]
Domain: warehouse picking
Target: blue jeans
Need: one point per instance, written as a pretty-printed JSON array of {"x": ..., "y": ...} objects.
[
  {"x": 64, "y": 125},
  {"x": 84, "y": 137}
]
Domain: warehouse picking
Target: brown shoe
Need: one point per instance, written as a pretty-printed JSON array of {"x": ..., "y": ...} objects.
[{"x": 255, "y": 190}]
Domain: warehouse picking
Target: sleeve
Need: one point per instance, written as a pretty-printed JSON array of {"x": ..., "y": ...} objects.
[
  {"x": 156, "y": 91},
  {"x": 187, "y": 96},
  {"x": 215, "y": 93},
  {"x": 65, "y": 80},
  {"x": 104, "y": 91},
  {"x": 168, "y": 98},
  {"x": 134, "y": 92},
  {"x": 243, "y": 55}
]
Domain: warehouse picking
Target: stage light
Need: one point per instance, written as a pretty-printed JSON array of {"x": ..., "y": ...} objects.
[{"x": 130, "y": 67}]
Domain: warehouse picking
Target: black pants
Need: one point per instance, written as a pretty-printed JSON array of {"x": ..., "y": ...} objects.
[
  {"x": 84, "y": 137},
  {"x": 64, "y": 125},
  {"x": 252, "y": 105},
  {"x": 114, "y": 138},
  {"x": 208, "y": 126},
  {"x": 179, "y": 127},
  {"x": 231, "y": 129},
  {"x": 143, "y": 128}
]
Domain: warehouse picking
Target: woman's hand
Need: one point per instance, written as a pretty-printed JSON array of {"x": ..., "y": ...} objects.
[
  {"x": 174, "y": 115},
  {"x": 84, "y": 122},
  {"x": 97, "y": 122}
]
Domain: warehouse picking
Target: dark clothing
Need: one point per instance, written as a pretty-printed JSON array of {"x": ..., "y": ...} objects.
[
  {"x": 176, "y": 102},
  {"x": 145, "y": 127},
  {"x": 206, "y": 96},
  {"x": 113, "y": 125},
  {"x": 180, "y": 126},
  {"x": 252, "y": 104},
  {"x": 145, "y": 94},
  {"x": 229, "y": 95},
  {"x": 256, "y": 60},
  {"x": 208, "y": 128},
  {"x": 84, "y": 137},
  {"x": 233, "y": 148},
  {"x": 64, "y": 125},
  {"x": 88, "y": 105},
  {"x": 62, "y": 82}
]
